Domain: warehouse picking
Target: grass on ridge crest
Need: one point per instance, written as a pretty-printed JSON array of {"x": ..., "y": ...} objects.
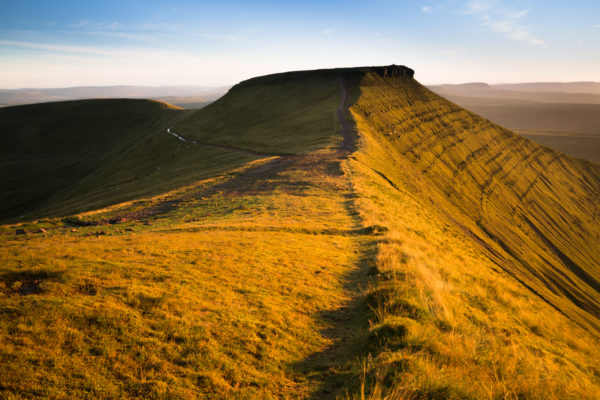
[{"x": 450, "y": 316}]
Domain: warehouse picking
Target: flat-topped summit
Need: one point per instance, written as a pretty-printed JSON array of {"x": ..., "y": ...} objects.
[{"x": 393, "y": 70}]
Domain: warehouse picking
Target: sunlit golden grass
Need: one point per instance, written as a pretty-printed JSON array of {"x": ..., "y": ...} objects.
[
  {"x": 446, "y": 258},
  {"x": 448, "y": 318},
  {"x": 181, "y": 313},
  {"x": 219, "y": 297}
]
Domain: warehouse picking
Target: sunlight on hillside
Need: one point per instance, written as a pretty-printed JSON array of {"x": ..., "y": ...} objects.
[{"x": 257, "y": 256}]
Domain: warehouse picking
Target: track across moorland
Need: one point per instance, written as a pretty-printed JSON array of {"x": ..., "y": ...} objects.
[
  {"x": 342, "y": 111},
  {"x": 322, "y": 371}
]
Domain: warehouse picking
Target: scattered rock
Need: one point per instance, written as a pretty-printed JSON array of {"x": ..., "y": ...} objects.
[
  {"x": 73, "y": 230},
  {"x": 99, "y": 233},
  {"x": 372, "y": 230},
  {"x": 394, "y": 70},
  {"x": 88, "y": 289},
  {"x": 41, "y": 230},
  {"x": 20, "y": 232},
  {"x": 117, "y": 220},
  {"x": 128, "y": 230},
  {"x": 80, "y": 222},
  {"x": 30, "y": 288}
]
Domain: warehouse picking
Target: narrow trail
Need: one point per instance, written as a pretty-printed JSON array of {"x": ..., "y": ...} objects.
[
  {"x": 347, "y": 132},
  {"x": 308, "y": 199},
  {"x": 223, "y": 147},
  {"x": 323, "y": 374}
]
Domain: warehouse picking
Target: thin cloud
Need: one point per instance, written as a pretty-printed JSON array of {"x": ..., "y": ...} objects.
[
  {"x": 503, "y": 20},
  {"x": 61, "y": 48},
  {"x": 65, "y": 49},
  {"x": 144, "y": 31},
  {"x": 94, "y": 25},
  {"x": 426, "y": 9},
  {"x": 327, "y": 32},
  {"x": 117, "y": 34}
]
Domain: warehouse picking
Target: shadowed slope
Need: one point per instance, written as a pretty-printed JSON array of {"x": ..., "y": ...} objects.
[
  {"x": 47, "y": 148},
  {"x": 68, "y": 157},
  {"x": 289, "y": 113}
]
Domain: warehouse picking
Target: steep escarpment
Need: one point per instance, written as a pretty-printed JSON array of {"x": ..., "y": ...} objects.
[
  {"x": 488, "y": 276},
  {"x": 535, "y": 210}
]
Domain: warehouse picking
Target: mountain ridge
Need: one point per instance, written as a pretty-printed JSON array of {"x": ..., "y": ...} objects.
[{"x": 443, "y": 256}]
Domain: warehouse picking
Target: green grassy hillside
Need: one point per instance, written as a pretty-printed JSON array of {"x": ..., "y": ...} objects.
[
  {"x": 289, "y": 113},
  {"x": 48, "y": 148},
  {"x": 67, "y": 157},
  {"x": 444, "y": 257}
]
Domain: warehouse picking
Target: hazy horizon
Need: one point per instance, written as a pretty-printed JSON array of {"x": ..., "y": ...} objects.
[
  {"x": 153, "y": 43},
  {"x": 202, "y": 86}
]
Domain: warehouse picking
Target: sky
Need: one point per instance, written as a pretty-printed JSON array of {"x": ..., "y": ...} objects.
[{"x": 57, "y": 43}]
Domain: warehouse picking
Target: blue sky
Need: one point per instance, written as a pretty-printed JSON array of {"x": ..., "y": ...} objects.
[{"x": 69, "y": 43}]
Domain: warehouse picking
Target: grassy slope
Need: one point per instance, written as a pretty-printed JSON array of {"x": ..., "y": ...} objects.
[
  {"x": 230, "y": 287},
  {"x": 255, "y": 283},
  {"x": 284, "y": 113},
  {"x": 47, "y": 148},
  {"x": 219, "y": 298},
  {"x": 473, "y": 210},
  {"x": 75, "y": 156}
]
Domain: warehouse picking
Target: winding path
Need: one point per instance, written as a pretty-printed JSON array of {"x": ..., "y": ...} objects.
[
  {"x": 347, "y": 131},
  {"x": 222, "y": 147}
]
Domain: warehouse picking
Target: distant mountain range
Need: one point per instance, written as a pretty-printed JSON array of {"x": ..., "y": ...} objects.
[
  {"x": 549, "y": 92},
  {"x": 564, "y": 116},
  {"x": 179, "y": 95}
]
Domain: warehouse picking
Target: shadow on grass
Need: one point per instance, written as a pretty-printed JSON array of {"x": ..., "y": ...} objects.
[
  {"x": 29, "y": 281},
  {"x": 332, "y": 371}
]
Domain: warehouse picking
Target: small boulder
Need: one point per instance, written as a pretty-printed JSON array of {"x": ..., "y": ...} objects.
[
  {"x": 30, "y": 288},
  {"x": 20, "y": 231},
  {"x": 41, "y": 230}
]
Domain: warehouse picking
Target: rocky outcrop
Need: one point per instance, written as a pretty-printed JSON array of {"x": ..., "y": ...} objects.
[{"x": 394, "y": 71}]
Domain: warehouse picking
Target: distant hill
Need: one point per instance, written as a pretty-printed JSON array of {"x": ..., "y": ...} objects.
[
  {"x": 48, "y": 148},
  {"x": 557, "y": 87},
  {"x": 564, "y": 116},
  {"x": 522, "y": 92},
  {"x": 177, "y": 94}
]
